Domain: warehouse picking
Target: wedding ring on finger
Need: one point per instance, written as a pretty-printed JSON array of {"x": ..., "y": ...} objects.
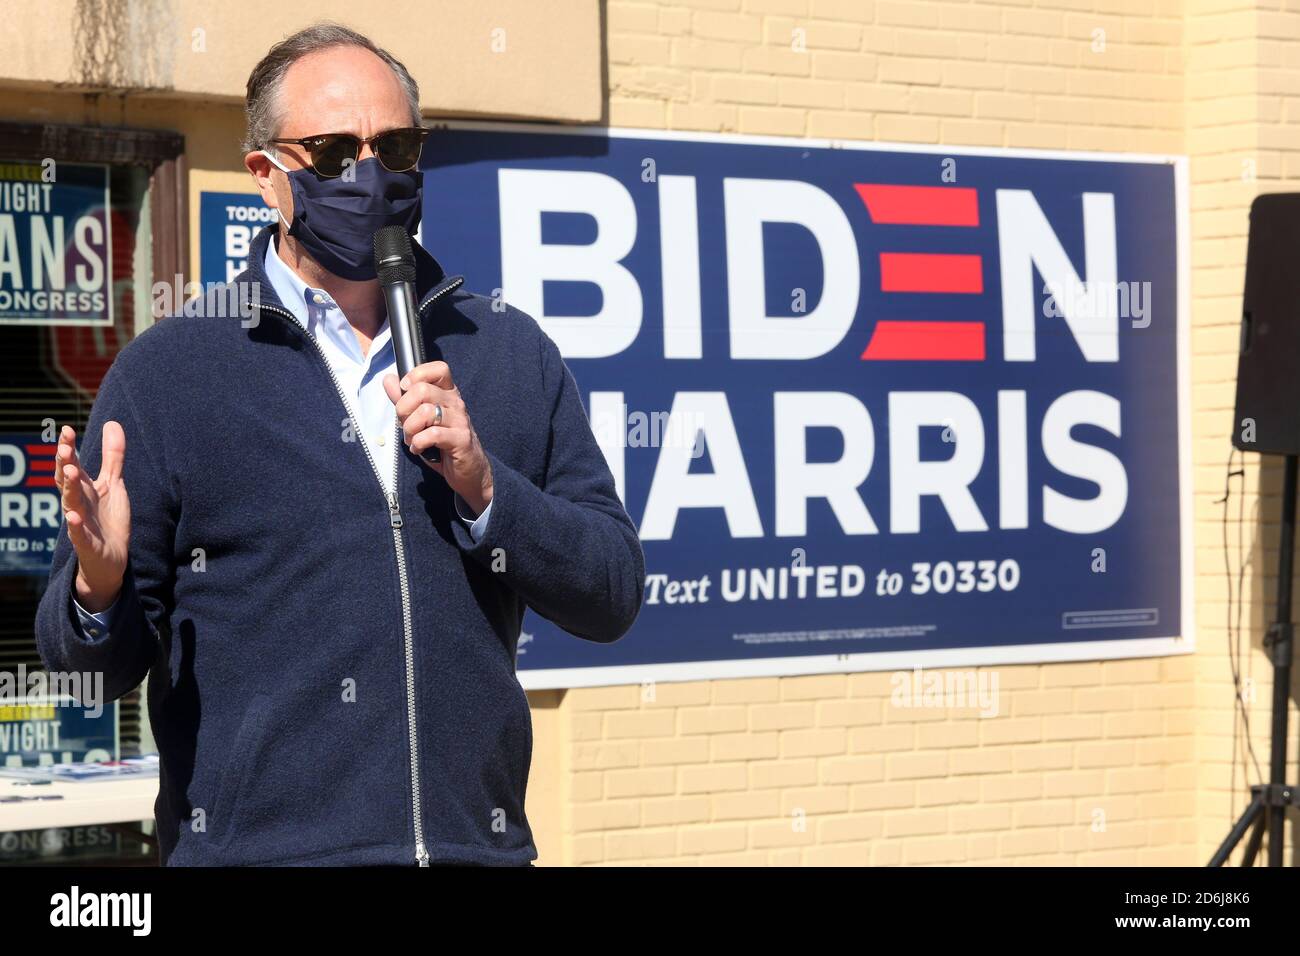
[{"x": 437, "y": 415}]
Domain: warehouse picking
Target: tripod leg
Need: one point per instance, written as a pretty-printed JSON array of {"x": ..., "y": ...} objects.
[
  {"x": 1253, "y": 814},
  {"x": 1281, "y": 655},
  {"x": 1256, "y": 838}
]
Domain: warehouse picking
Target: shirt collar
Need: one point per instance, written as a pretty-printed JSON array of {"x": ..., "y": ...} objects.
[
  {"x": 255, "y": 287},
  {"x": 317, "y": 312},
  {"x": 289, "y": 289}
]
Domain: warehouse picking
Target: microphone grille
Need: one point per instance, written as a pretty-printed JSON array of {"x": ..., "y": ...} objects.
[{"x": 394, "y": 257}]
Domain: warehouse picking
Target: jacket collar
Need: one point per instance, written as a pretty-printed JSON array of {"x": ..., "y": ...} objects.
[{"x": 430, "y": 278}]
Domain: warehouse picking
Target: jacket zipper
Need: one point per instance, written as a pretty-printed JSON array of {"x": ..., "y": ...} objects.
[{"x": 395, "y": 524}]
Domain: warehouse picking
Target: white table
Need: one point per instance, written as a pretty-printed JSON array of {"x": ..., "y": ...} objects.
[{"x": 83, "y": 804}]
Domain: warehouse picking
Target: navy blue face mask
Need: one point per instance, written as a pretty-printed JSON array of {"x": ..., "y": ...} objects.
[{"x": 336, "y": 220}]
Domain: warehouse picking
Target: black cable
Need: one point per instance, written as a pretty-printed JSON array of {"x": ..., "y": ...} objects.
[{"x": 1241, "y": 715}]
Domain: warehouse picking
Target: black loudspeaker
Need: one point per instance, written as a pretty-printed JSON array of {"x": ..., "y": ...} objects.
[{"x": 1267, "y": 417}]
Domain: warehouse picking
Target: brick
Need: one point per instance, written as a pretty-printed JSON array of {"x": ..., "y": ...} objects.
[
  {"x": 847, "y": 712},
  {"x": 910, "y": 823},
  {"x": 782, "y": 833},
  {"x": 772, "y": 122},
  {"x": 604, "y": 756},
  {"x": 879, "y": 796},
  {"x": 768, "y": 774},
  {"x": 675, "y": 750},
  {"x": 641, "y": 723},
  {"x": 838, "y": 65},
  {"x": 838, "y": 854},
  {"x": 821, "y": 94},
  {"x": 670, "y": 811},
  {"x": 759, "y": 804},
  {"x": 927, "y": 851},
  {"x": 882, "y": 739},
  {"x": 967, "y": 819},
  {"x": 815, "y": 800},
  {"x": 607, "y": 815},
  {"x": 1011, "y": 730},
  {"x": 726, "y": 88},
  {"x": 639, "y": 783},
  {"x": 852, "y": 769},
  {"x": 746, "y": 746},
  {"x": 712, "y": 719},
  {"x": 706, "y": 54},
  {"x": 813, "y": 743},
  {"x": 849, "y": 828},
  {"x": 1008, "y": 787},
  {"x": 714, "y": 839},
  {"x": 756, "y": 690},
  {"x": 780, "y": 716},
  {"x": 913, "y": 765},
  {"x": 907, "y": 129},
  {"x": 639, "y": 844},
  {"x": 727, "y": 26}
]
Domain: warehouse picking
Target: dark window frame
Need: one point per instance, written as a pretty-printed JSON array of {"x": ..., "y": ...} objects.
[{"x": 161, "y": 153}]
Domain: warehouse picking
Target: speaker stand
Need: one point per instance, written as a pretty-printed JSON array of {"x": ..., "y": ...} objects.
[{"x": 1269, "y": 802}]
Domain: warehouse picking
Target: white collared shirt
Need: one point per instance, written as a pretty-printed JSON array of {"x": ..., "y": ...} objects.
[{"x": 360, "y": 377}]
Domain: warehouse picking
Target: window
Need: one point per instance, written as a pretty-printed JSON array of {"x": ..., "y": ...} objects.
[{"x": 77, "y": 290}]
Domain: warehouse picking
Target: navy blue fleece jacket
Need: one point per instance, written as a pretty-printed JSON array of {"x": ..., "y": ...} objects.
[{"x": 332, "y": 680}]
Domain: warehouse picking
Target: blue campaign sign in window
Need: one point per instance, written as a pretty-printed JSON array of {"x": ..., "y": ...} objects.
[
  {"x": 29, "y": 504},
  {"x": 55, "y": 237},
  {"x": 39, "y": 730},
  {"x": 227, "y": 224},
  {"x": 870, "y": 406}
]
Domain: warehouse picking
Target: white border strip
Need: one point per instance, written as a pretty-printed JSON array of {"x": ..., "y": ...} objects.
[
  {"x": 945, "y": 657},
  {"x": 1187, "y": 563},
  {"x": 796, "y": 142},
  {"x": 948, "y": 657}
]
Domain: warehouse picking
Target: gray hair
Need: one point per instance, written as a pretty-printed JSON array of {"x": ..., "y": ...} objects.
[{"x": 262, "y": 102}]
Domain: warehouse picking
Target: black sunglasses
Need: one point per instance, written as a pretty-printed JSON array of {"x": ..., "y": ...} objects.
[{"x": 397, "y": 149}]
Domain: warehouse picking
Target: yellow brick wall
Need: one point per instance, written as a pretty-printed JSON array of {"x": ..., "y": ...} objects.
[
  {"x": 1241, "y": 101},
  {"x": 1123, "y": 762}
]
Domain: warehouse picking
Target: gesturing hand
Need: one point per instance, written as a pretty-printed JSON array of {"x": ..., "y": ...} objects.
[
  {"x": 98, "y": 513},
  {"x": 433, "y": 415}
]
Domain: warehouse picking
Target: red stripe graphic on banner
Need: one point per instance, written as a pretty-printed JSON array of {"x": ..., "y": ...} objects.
[
  {"x": 919, "y": 205},
  {"x": 930, "y": 272},
  {"x": 926, "y": 341}
]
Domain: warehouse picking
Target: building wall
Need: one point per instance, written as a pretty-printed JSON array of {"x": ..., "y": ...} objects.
[
  {"x": 1086, "y": 763},
  {"x": 1241, "y": 88},
  {"x": 1123, "y": 762},
  {"x": 509, "y": 57}
]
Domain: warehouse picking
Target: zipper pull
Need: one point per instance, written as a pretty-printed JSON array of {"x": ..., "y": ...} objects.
[
  {"x": 394, "y": 515},
  {"x": 421, "y": 854}
]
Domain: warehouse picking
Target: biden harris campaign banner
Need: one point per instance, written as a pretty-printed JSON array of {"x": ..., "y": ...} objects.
[{"x": 870, "y": 406}]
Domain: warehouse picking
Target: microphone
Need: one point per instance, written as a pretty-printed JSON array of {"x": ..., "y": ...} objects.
[{"x": 395, "y": 264}]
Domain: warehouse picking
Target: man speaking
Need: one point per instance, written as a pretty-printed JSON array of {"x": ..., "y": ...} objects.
[{"x": 328, "y": 620}]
